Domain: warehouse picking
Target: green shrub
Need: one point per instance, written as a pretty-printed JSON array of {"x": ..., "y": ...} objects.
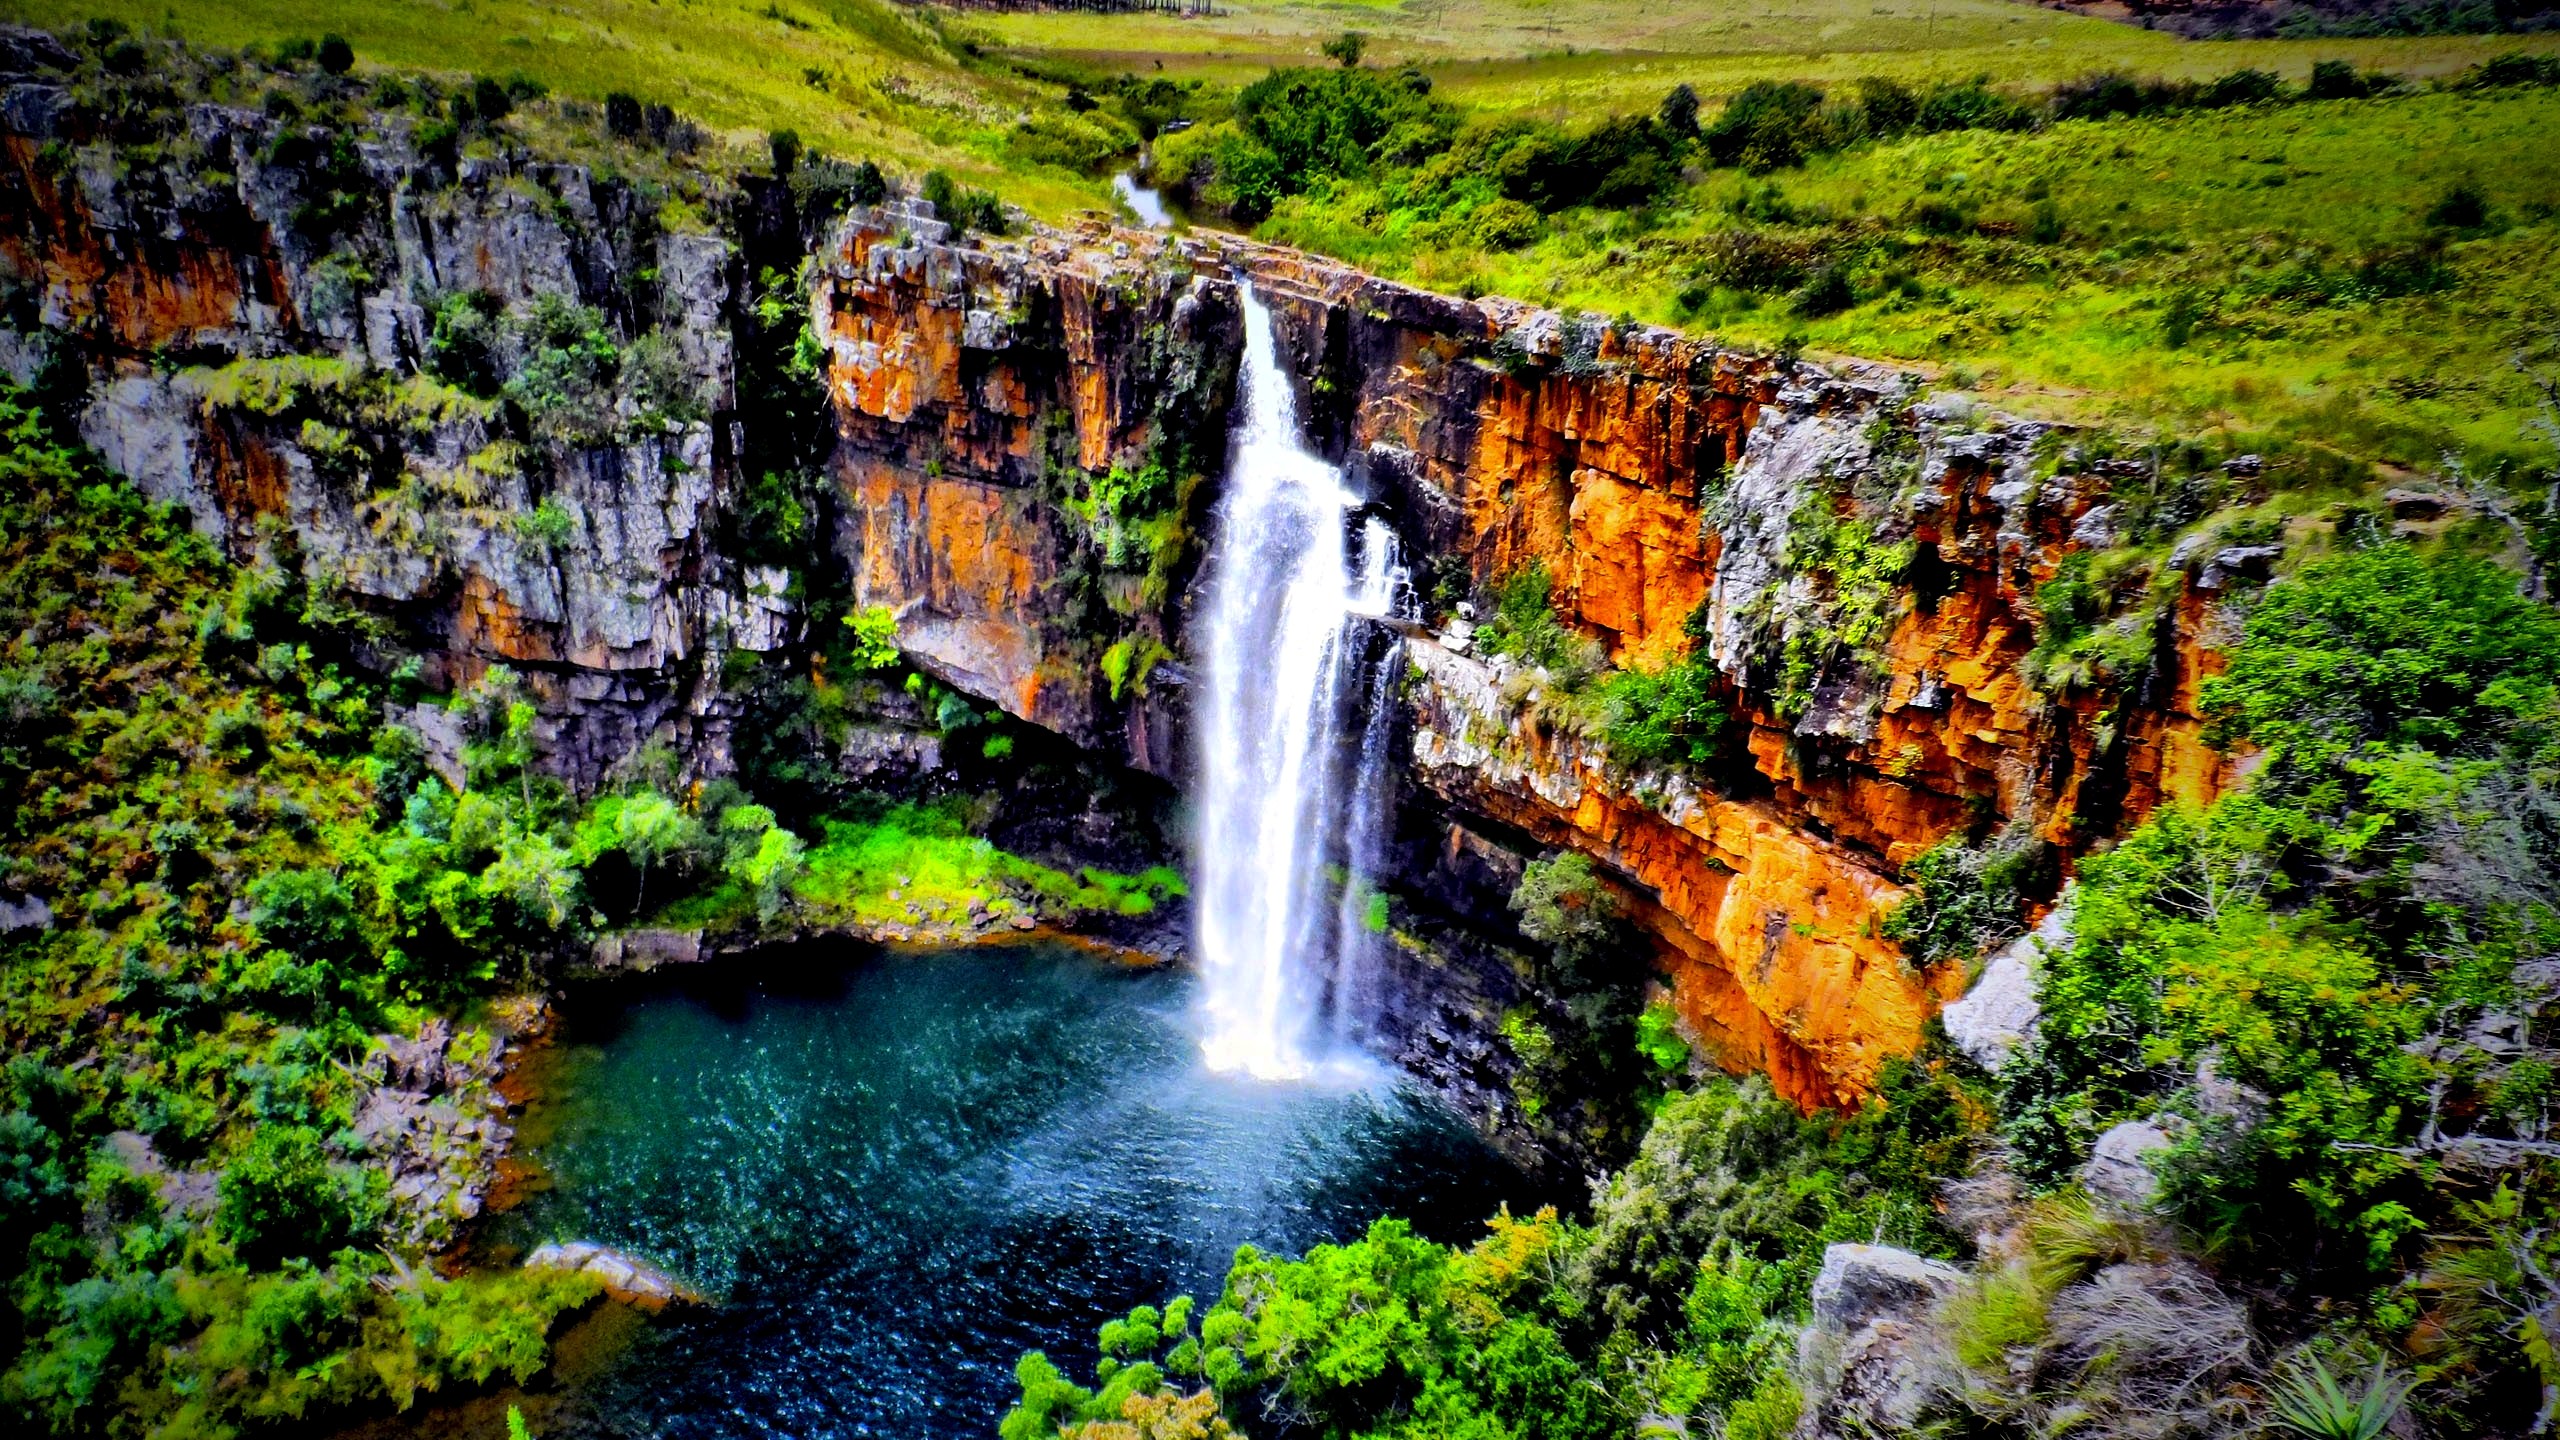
[{"x": 281, "y": 1197}]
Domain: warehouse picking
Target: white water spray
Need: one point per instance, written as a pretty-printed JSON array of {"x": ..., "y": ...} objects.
[{"x": 1282, "y": 662}]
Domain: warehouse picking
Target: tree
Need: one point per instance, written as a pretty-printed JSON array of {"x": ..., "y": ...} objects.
[
  {"x": 1680, "y": 111},
  {"x": 336, "y": 56},
  {"x": 1346, "y": 49},
  {"x": 650, "y": 828},
  {"x": 622, "y": 117}
]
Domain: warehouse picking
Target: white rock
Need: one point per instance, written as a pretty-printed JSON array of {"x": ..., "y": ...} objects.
[
  {"x": 2119, "y": 1172},
  {"x": 1997, "y": 1015},
  {"x": 1859, "y": 1283}
]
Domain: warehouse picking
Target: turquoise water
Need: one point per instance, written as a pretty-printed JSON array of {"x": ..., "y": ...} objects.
[{"x": 898, "y": 1173}]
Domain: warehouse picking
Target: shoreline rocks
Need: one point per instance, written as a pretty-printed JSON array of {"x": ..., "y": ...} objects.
[{"x": 626, "y": 1278}]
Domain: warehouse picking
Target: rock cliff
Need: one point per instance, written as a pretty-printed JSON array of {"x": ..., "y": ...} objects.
[
  {"x": 491, "y": 405},
  {"x": 1669, "y": 486}
]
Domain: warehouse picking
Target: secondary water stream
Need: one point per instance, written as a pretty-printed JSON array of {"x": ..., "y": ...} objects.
[{"x": 898, "y": 1173}]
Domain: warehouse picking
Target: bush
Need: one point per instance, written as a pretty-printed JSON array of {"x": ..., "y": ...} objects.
[
  {"x": 2335, "y": 80},
  {"x": 1674, "y": 716},
  {"x": 335, "y": 55},
  {"x": 1769, "y": 125},
  {"x": 622, "y": 118},
  {"x": 1826, "y": 292},
  {"x": 1505, "y": 224},
  {"x": 1965, "y": 899},
  {"x": 2463, "y": 206},
  {"x": 2242, "y": 87},
  {"x": 1973, "y": 105},
  {"x": 280, "y": 1197}
]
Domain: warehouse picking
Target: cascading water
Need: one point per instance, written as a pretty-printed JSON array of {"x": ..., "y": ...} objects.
[{"x": 1283, "y": 659}]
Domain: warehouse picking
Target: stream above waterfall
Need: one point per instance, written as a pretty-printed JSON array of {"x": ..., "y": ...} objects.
[{"x": 897, "y": 1173}]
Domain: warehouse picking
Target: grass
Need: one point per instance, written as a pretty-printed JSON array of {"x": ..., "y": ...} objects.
[
  {"x": 2227, "y": 216},
  {"x": 2190, "y": 228},
  {"x": 894, "y": 89},
  {"x": 918, "y": 865},
  {"x": 1572, "y": 59}
]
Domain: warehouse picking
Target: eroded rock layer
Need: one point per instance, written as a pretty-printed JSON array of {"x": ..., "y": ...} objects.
[
  {"x": 1670, "y": 488},
  {"x": 1857, "y": 563}
]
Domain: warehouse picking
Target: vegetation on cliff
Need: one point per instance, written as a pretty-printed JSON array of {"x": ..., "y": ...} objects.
[
  {"x": 2329, "y": 992},
  {"x": 234, "y": 889}
]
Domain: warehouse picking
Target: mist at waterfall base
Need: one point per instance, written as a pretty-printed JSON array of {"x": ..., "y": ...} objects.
[
  {"x": 897, "y": 1173},
  {"x": 1293, "y": 731}
]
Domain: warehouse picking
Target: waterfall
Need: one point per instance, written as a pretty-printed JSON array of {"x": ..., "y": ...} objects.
[{"x": 1283, "y": 662}]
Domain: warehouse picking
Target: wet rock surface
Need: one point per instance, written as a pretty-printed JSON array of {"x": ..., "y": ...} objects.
[
  {"x": 626, "y": 1278},
  {"x": 430, "y": 1110}
]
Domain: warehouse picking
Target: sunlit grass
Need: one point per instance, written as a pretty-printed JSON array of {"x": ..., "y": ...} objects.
[
  {"x": 1576, "y": 58},
  {"x": 894, "y": 91},
  {"x": 915, "y": 865},
  {"x": 2208, "y": 203}
]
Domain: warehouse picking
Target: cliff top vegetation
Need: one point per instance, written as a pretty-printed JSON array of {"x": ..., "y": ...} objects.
[{"x": 2336, "y": 238}]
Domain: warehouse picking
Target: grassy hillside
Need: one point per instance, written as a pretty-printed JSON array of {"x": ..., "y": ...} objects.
[
  {"x": 860, "y": 78},
  {"x": 1574, "y": 58},
  {"x": 2182, "y": 272},
  {"x": 2200, "y": 272}
]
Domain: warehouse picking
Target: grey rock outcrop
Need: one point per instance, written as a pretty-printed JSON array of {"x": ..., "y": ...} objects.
[
  {"x": 626, "y": 1278},
  {"x": 1874, "y": 1351},
  {"x": 2119, "y": 1172},
  {"x": 1860, "y": 1283},
  {"x": 429, "y": 1111},
  {"x": 1997, "y": 1015}
]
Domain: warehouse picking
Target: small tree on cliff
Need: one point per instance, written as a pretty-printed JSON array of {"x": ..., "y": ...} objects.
[
  {"x": 1346, "y": 49},
  {"x": 1564, "y": 905}
]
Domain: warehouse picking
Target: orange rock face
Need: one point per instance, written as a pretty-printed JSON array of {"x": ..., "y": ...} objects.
[
  {"x": 1645, "y": 470},
  {"x": 976, "y": 386}
]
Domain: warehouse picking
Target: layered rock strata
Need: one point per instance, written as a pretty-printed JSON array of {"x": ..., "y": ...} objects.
[
  {"x": 1679, "y": 496},
  {"x": 1857, "y": 563}
]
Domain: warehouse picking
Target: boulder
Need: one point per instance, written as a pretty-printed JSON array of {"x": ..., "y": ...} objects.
[
  {"x": 1995, "y": 1017},
  {"x": 2414, "y": 504},
  {"x": 626, "y": 1278},
  {"x": 646, "y": 949},
  {"x": 1889, "y": 1375},
  {"x": 2119, "y": 1173},
  {"x": 1860, "y": 1283}
]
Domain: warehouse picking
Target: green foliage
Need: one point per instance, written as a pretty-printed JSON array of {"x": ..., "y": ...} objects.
[
  {"x": 1965, "y": 899},
  {"x": 1997, "y": 1312},
  {"x": 282, "y": 1198},
  {"x": 2312, "y": 1403},
  {"x": 1658, "y": 1038},
  {"x": 918, "y": 864},
  {"x": 2383, "y": 648},
  {"x": 564, "y": 382},
  {"x": 249, "y": 879},
  {"x": 1730, "y": 1170},
  {"x": 1129, "y": 660},
  {"x": 962, "y": 208},
  {"x": 1674, "y": 716},
  {"x": 873, "y": 630},
  {"x": 1675, "y": 1303},
  {"x": 2314, "y": 939},
  {"x": 1523, "y": 624}
]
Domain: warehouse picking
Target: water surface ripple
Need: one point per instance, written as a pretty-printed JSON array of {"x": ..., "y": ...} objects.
[{"x": 899, "y": 1173}]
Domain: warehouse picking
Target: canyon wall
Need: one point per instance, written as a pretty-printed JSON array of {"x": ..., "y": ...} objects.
[
  {"x": 259, "y": 320},
  {"x": 1668, "y": 486}
]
